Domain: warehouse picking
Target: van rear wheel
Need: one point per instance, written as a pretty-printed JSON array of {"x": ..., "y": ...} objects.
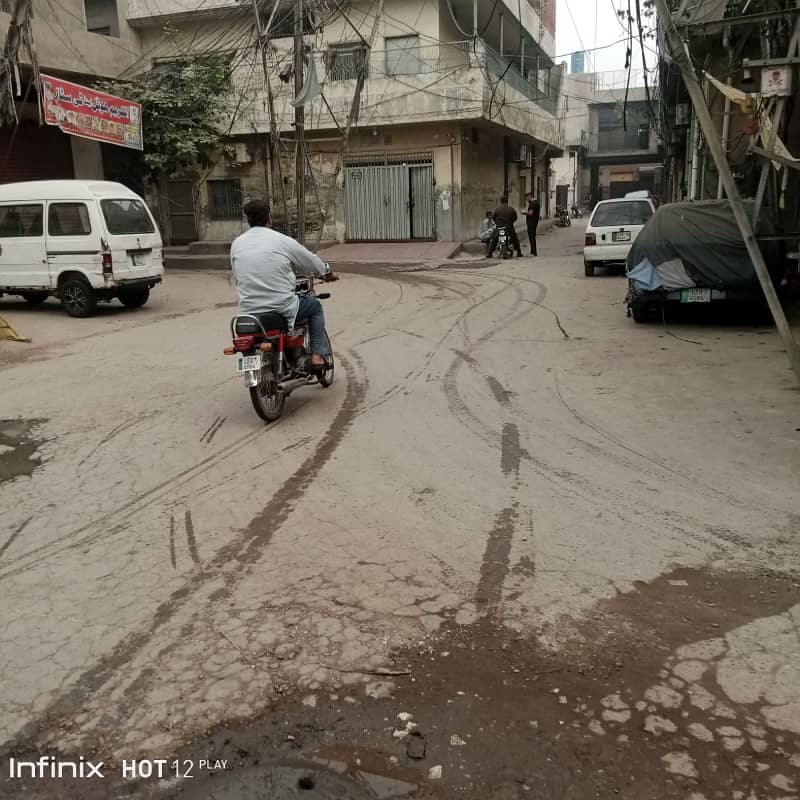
[
  {"x": 78, "y": 298},
  {"x": 34, "y": 298},
  {"x": 134, "y": 298}
]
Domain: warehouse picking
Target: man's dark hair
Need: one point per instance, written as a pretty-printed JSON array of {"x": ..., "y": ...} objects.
[
  {"x": 257, "y": 213},
  {"x": 489, "y": 214},
  {"x": 530, "y": 194},
  {"x": 503, "y": 200}
]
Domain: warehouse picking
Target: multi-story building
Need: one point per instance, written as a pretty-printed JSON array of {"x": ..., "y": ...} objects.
[
  {"x": 461, "y": 103},
  {"x": 81, "y": 41},
  {"x": 612, "y": 146}
]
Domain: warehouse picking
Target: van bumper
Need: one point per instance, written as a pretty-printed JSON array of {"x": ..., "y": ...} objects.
[{"x": 138, "y": 283}]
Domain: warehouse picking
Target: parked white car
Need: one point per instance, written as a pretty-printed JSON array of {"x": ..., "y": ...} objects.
[
  {"x": 612, "y": 229},
  {"x": 80, "y": 241}
]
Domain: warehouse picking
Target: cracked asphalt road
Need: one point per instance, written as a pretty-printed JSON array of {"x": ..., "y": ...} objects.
[{"x": 510, "y": 485}]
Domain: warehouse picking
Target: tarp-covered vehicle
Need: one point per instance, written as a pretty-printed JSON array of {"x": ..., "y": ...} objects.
[{"x": 694, "y": 253}]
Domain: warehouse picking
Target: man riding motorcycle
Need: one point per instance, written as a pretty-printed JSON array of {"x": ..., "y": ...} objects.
[{"x": 263, "y": 262}]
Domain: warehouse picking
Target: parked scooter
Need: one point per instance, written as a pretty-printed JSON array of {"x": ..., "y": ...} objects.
[{"x": 576, "y": 213}]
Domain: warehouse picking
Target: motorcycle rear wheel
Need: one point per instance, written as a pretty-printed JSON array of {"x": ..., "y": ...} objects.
[
  {"x": 325, "y": 377},
  {"x": 267, "y": 399}
]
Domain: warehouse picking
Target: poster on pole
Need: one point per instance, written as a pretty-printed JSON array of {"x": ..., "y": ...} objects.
[{"x": 81, "y": 111}]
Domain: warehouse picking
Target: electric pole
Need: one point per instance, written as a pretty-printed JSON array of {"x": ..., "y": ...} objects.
[
  {"x": 18, "y": 27},
  {"x": 273, "y": 139},
  {"x": 299, "y": 125}
]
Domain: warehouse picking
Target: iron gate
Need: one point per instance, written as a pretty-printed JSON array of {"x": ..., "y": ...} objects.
[{"x": 389, "y": 201}]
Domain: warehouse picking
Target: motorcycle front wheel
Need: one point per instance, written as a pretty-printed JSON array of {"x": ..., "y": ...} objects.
[{"x": 267, "y": 399}]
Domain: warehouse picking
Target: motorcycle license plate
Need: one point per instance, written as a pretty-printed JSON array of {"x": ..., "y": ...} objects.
[
  {"x": 621, "y": 236},
  {"x": 248, "y": 363}
]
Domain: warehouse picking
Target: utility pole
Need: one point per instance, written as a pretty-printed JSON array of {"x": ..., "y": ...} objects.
[
  {"x": 21, "y": 13},
  {"x": 273, "y": 142},
  {"x": 679, "y": 51},
  {"x": 299, "y": 125}
]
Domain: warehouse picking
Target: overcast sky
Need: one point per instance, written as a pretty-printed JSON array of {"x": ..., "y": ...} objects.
[{"x": 609, "y": 29}]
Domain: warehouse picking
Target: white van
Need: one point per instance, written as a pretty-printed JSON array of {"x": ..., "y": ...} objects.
[{"x": 81, "y": 241}]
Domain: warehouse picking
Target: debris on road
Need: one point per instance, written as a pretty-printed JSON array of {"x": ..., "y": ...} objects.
[{"x": 416, "y": 746}]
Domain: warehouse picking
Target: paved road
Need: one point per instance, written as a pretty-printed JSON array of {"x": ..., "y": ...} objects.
[{"x": 505, "y": 464}]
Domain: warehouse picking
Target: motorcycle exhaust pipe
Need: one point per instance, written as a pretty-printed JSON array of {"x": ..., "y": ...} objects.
[{"x": 287, "y": 387}]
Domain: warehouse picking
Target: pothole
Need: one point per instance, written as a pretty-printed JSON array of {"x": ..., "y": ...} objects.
[{"x": 18, "y": 448}]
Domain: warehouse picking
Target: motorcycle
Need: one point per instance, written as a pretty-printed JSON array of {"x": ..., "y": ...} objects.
[
  {"x": 504, "y": 242},
  {"x": 562, "y": 217},
  {"x": 274, "y": 360},
  {"x": 576, "y": 213}
]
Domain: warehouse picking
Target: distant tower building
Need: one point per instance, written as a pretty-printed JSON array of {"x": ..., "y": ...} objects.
[{"x": 578, "y": 63}]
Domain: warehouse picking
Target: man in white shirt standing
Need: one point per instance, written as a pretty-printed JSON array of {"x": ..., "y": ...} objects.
[{"x": 264, "y": 264}]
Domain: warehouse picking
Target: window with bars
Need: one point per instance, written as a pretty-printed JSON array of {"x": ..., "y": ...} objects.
[
  {"x": 225, "y": 199},
  {"x": 344, "y": 61}
]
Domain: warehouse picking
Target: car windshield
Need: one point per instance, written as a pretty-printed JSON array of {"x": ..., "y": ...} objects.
[
  {"x": 126, "y": 217},
  {"x": 628, "y": 212}
]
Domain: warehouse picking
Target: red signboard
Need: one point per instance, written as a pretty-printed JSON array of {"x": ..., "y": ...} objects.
[{"x": 86, "y": 112}]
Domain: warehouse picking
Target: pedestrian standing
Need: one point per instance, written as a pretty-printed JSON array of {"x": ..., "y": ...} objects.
[{"x": 532, "y": 218}]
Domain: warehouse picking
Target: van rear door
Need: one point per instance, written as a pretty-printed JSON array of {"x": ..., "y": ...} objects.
[{"x": 133, "y": 239}]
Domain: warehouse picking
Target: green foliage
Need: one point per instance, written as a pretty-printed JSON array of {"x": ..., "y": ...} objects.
[{"x": 184, "y": 111}]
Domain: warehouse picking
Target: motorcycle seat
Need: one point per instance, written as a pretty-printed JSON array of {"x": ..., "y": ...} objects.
[{"x": 270, "y": 320}]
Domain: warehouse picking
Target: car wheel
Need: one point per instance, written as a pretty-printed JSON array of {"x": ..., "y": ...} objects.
[
  {"x": 588, "y": 269},
  {"x": 78, "y": 298},
  {"x": 134, "y": 298},
  {"x": 640, "y": 312},
  {"x": 34, "y": 298}
]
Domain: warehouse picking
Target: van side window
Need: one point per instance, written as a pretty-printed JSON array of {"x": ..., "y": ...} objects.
[
  {"x": 68, "y": 219},
  {"x": 21, "y": 221}
]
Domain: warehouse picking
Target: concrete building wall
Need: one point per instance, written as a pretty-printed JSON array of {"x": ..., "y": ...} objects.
[
  {"x": 87, "y": 158},
  {"x": 65, "y": 45},
  {"x": 483, "y": 176},
  {"x": 433, "y": 111}
]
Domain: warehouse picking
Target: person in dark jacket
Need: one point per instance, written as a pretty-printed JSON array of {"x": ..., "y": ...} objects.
[
  {"x": 532, "y": 220},
  {"x": 504, "y": 217}
]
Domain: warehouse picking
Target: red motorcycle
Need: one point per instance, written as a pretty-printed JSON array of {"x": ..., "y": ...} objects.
[{"x": 274, "y": 360}]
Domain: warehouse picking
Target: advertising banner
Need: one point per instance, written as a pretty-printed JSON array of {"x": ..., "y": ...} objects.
[{"x": 81, "y": 111}]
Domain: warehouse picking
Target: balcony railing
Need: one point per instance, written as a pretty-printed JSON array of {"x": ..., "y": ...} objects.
[
  {"x": 343, "y": 64},
  {"x": 544, "y": 92}
]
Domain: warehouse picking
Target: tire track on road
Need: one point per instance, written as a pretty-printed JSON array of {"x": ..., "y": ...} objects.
[
  {"x": 123, "y": 426},
  {"x": 245, "y": 548},
  {"x": 602, "y": 431},
  {"x": 99, "y": 528}
]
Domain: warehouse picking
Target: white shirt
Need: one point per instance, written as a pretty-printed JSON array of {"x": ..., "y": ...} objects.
[{"x": 264, "y": 263}]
